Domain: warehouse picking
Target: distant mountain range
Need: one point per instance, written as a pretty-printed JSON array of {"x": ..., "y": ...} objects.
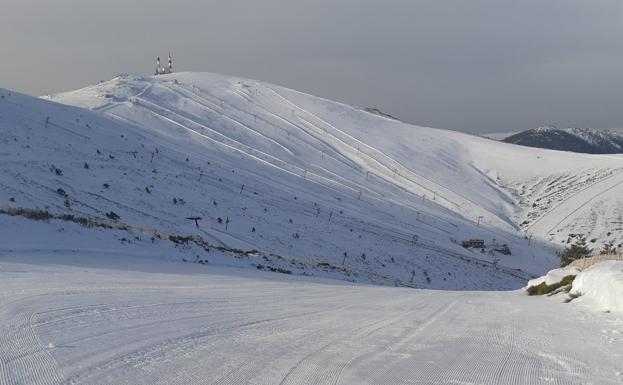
[{"x": 584, "y": 140}]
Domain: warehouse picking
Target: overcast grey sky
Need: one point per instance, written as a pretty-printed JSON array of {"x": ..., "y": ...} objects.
[{"x": 470, "y": 65}]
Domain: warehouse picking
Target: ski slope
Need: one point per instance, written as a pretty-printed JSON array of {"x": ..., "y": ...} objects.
[
  {"x": 80, "y": 319},
  {"x": 584, "y": 209},
  {"x": 544, "y": 194},
  {"x": 68, "y": 160},
  {"x": 308, "y": 183}
]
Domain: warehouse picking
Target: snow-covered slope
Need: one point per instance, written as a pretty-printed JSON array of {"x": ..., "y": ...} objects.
[
  {"x": 584, "y": 140},
  {"x": 284, "y": 172},
  {"x": 323, "y": 140}
]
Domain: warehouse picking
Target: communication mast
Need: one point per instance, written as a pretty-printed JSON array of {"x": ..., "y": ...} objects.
[{"x": 160, "y": 70}]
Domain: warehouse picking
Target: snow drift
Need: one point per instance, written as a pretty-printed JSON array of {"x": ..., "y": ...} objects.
[
  {"x": 554, "y": 276},
  {"x": 602, "y": 285}
]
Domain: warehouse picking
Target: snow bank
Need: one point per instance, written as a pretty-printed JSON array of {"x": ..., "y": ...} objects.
[
  {"x": 554, "y": 276},
  {"x": 602, "y": 283}
]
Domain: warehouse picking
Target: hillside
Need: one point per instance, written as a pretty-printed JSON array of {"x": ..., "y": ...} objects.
[
  {"x": 583, "y": 140},
  {"x": 316, "y": 187}
]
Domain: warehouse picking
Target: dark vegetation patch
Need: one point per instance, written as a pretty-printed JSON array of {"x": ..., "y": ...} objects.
[{"x": 544, "y": 288}]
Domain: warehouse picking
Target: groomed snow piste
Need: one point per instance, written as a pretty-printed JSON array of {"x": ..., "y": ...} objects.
[{"x": 88, "y": 318}]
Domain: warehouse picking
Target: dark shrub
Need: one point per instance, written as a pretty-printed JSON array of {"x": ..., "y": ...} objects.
[{"x": 544, "y": 288}]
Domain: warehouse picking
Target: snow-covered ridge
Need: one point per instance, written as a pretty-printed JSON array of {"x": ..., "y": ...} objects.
[
  {"x": 280, "y": 171},
  {"x": 599, "y": 137},
  {"x": 583, "y": 140}
]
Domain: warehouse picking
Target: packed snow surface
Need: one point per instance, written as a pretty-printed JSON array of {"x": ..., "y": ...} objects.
[
  {"x": 601, "y": 285},
  {"x": 86, "y": 318}
]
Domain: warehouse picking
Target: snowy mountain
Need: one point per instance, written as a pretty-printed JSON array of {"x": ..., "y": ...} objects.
[
  {"x": 584, "y": 140},
  {"x": 289, "y": 182}
]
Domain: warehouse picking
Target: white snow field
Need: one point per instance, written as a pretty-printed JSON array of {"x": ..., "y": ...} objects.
[
  {"x": 547, "y": 194},
  {"x": 85, "y": 319},
  {"x": 314, "y": 178},
  {"x": 300, "y": 207}
]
